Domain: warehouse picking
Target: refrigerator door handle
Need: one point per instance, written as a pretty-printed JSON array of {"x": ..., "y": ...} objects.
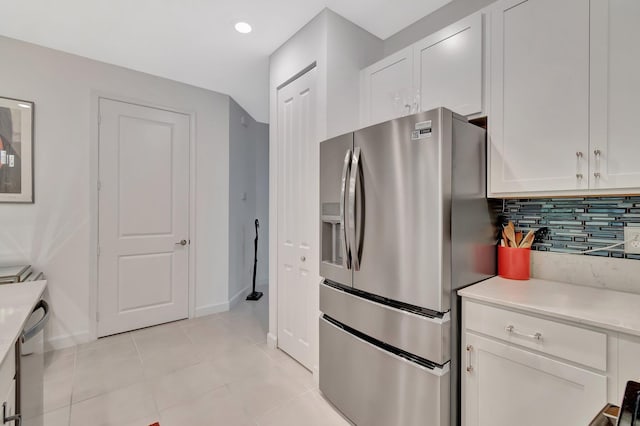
[
  {"x": 355, "y": 249},
  {"x": 343, "y": 192}
]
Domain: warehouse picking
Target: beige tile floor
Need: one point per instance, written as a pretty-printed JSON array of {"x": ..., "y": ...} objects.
[{"x": 214, "y": 370}]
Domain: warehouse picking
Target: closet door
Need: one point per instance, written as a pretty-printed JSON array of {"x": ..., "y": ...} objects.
[
  {"x": 615, "y": 85},
  {"x": 298, "y": 198}
]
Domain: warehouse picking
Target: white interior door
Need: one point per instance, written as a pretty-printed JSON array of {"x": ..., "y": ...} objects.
[
  {"x": 143, "y": 271},
  {"x": 298, "y": 195}
]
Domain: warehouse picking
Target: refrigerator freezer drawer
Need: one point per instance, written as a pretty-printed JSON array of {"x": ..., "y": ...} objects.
[
  {"x": 374, "y": 387},
  {"x": 426, "y": 337}
]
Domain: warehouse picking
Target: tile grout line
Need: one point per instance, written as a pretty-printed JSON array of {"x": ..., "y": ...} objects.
[
  {"x": 145, "y": 380},
  {"x": 73, "y": 381}
]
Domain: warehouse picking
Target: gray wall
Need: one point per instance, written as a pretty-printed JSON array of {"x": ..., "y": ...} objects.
[
  {"x": 248, "y": 166},
  {"x": 54, "y": 234},
  {"x": 262, "y": 200},
  {"x": 349, "y": 49},
  {"x": 446, "y": 15}
]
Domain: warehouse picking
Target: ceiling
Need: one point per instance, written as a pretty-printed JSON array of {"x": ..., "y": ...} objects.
[{"x": 193, "y": 41}]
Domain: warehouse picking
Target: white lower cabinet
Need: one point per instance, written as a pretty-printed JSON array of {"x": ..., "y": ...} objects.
[
  {"x": 504, "y": 385},
  {"x": 628, "y": 362},
  {"x": 9, "y": 410},
  {"x": 8, "y": 388}
]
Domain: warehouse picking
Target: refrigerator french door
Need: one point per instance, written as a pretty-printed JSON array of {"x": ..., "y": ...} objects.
[
  {"x": 404, "y": 223},
  {"x": 385, "y": 186}
]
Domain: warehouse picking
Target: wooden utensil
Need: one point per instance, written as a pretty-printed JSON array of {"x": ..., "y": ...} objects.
[
  {"x": 518, "y": 238},
  {"x": 510, "y": 234},
  {"x": 527, "y": 241}
]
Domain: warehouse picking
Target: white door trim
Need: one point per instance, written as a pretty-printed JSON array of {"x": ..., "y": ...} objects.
[{"x": 94, "y": 109}]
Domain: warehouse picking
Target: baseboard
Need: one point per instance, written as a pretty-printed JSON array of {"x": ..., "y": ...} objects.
[
  {"x": 66, "y": 341},
  {"x": 203, "y": 311},
  {"x": 239, "y": 296},
  {"x": 272, "y": 340}
]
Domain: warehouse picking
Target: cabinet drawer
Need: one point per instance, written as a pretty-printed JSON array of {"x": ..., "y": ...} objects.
[
  {"x": 572, "y": 343},
  {"x": 7, "y": 372}
]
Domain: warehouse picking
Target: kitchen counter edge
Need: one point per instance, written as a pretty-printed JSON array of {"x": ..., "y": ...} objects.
[{"x": 596, "y": 307}]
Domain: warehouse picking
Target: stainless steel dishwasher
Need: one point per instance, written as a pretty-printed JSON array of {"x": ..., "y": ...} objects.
[{"x": 30, "y": 367}]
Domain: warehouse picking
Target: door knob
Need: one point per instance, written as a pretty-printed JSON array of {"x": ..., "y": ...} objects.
[
  {"x": 303, "y": 258},
  {"x": 181, "y": 243}
]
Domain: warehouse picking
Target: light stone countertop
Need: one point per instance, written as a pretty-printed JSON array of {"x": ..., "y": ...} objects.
[
  {"x": 597, "y": 307},
  {"x": 16, "y": 304}
]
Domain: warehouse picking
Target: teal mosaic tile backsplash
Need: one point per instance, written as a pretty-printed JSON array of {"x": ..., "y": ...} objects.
[{"x": 576, "y": 224}]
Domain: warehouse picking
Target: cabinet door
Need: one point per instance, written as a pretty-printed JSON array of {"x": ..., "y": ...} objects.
[
  {"x": 509, "y": 386},
  {"x": 629, "y": 365},
  {"x": 387, "y": 88},
  {"x": 448, "y": 67},
  {"x": 10, "y": 400},
  {"x": 539, "y": 118},
  {"x": 615, "y": 86}
]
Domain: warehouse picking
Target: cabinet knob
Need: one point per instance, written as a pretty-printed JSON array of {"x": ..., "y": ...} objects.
[{"x": 302, "y": 258}]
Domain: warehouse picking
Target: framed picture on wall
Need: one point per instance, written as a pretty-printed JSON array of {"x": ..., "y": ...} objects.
[{"x": 16, "y": 151}]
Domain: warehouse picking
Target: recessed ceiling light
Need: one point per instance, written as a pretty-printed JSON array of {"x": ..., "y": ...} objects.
[{"x": 243, "y": 27}]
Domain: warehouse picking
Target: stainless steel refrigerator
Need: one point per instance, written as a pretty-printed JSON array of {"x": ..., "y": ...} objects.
[{"x": 404, "y": 223}]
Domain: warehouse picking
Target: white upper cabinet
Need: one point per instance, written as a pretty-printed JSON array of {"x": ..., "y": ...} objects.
[
  {"x": 443, "y": 69},
  {"x": 539, "y": 114},
  {"x": 386, "y": 90},
  {"x": 565, "y": 79},
  {"x": 615, "y": 91},
  {"x": 448, "y": 67}
]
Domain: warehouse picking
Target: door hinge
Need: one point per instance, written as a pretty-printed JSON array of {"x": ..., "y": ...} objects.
[
  {"x": 99, "y": 185},
  {"x": 98, "y": 251}
]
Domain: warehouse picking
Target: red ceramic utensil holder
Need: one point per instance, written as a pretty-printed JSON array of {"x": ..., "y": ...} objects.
[{"x": 514, "y": 263}]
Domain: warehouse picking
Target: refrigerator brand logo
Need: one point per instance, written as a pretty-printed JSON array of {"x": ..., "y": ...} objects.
[{"x": 422, "y": 130}]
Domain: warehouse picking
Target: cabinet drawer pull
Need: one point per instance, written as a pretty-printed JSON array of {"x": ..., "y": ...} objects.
[
  {"x": 579, "y": 157},
  {"x": 512, "y": 330},
  {"x": 469, "y": 366},
  {"x": 598, "y": 155}
]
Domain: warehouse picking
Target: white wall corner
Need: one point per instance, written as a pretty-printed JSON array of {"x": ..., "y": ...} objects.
[
  {"x": 239, "y": 296},
  {"x": 67, "y": 341},
  {"x": 202, "y": 311},
  {"x": 272, "y": 341}
]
